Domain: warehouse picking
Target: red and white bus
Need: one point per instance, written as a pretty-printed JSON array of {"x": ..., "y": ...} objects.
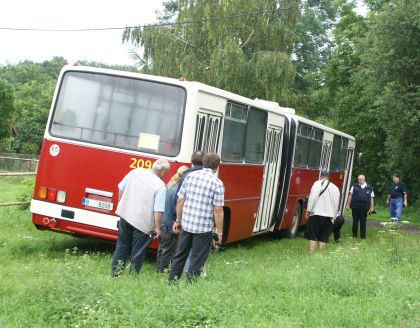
[{"x": 104, "y": 123}]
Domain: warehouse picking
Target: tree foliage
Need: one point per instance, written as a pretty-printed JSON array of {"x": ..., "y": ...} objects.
[
  {"x": 243, "y": 46},
  {"x": 7, "y": 107},
  {"x": 32, "y": 84},
  {"x": 373, "y": 85},
  {"x": 312, "y": 51}
]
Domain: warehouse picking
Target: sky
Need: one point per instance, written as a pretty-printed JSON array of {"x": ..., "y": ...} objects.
[{"x": 100, "y": 46}]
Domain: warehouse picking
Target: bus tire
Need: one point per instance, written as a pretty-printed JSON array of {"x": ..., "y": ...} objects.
[{"x": 297, "y": 214}]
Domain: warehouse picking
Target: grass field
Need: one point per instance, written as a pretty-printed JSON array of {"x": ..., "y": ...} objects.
[{"x": 52, "y": 280}]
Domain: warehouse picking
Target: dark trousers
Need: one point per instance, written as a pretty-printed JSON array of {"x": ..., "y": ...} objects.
[
  {"x": 129, "y": 239},
  {"x": 199, "y": 245},
  {"x": 359, "y": 215},
  {"x": 338, "y": 223},
  {"x": 167, "y": 249}
]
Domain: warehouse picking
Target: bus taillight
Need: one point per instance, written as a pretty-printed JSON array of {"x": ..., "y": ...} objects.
[
  {"x": 42, "y": 192},
  {"x": 52, "y": 194},
  {"x": 61, "y": 196}
]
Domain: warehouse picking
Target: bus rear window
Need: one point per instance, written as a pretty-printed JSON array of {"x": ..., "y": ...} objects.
[{"x": 120, "y": 112}]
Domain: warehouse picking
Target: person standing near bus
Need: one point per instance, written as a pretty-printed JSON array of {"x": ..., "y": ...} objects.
[
  {"x": 168, "y": 240},
  {"x": 141, "y": 205},
  {"x": 397, "y": 198},
  {"x": 322, "y": 210},
  {"x": 199, "y": 208},
  {"x": 360, "y": 201},
  {"x": 196, "y": 164}
]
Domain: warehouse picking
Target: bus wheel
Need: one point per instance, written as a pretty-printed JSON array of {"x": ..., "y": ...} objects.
[{"x": 292, "y": 231}]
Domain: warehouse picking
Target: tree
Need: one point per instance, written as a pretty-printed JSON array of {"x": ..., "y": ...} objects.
[
  {"x": 7, "y": 107},
  {"x": 372, "y": 81},
  {"x": 243, "y": 46},
  {"x": 30, "y": 119},
  {"x": 34, "y": 87},
  {"x": 394, "y": 59},
  {"x": 312, "y": 50}
]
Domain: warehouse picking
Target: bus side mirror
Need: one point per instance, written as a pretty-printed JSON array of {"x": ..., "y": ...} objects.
[{"x": 360, "y": 158}]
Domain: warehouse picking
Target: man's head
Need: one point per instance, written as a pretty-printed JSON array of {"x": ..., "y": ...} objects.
[
  {"x": 211, "y": 161},
  {"x": 396, "y": 178},
  {"x": 361, "y": 179},
  {"x": 324, "y": 174},
  {"x": 197, "y": 158},
  {"x": 161, "y": 167}
]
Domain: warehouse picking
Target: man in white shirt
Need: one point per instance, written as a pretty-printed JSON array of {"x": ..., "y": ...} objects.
[
  {"x": 322, "y": 210},
  {"x": 141, "y": 205}
]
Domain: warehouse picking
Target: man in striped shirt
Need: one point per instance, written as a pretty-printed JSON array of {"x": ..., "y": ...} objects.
[{"x": 199, "y": 208}]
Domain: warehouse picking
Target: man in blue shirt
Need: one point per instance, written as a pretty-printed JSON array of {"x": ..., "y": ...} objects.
[{"x": 397, "y": 197}]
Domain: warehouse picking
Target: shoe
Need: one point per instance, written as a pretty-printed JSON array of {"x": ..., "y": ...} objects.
[{"x": 203, "y": 274}]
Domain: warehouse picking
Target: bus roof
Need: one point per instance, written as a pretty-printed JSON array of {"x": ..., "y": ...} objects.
[
  {"x": 269, "y": 106},
  {"x": 301, "y": 119}
]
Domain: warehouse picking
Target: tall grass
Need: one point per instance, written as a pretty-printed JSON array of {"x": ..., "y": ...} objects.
[
  {"x": 16, "y": 189},
  {"x": 52, "y": 280}
]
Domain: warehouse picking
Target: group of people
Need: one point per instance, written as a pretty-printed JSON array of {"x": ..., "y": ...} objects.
[
  {"x": 184, "y": 216},
  {"x": 323, "y": 208}
]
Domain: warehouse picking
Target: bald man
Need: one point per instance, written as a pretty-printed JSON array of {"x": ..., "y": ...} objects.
[{"x": 360, "y": 201}]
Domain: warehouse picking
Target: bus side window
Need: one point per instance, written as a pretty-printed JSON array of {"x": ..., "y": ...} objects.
[
  {"x": 255, "y": 136},
  {"x": 207, "y": 131},
  {"x": 234, "y": 132}
]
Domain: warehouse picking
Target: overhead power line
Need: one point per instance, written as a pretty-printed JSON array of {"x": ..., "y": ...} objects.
[{"x": 195, "y": 21}]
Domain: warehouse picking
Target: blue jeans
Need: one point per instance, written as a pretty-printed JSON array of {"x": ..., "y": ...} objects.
[
  {"x": 129, "y": 239},
  {"x": 395, "y": 208}
]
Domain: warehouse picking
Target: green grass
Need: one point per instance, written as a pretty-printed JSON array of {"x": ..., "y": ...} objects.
[
  {"x": 14, "y": 189},
  {"x": 52, "y": 280}
]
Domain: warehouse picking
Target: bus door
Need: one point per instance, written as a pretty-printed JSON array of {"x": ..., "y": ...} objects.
[
  {"x": 325, "y": 155},
  {"x": 347, "y": 179},
  {"x": 269, "y": 185},
  {"x": 207, "y": 131}
]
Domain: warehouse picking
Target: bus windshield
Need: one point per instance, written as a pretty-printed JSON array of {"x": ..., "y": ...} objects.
[{"x": 120, "y": 112}]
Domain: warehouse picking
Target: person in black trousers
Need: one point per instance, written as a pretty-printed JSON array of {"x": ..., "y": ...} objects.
[{"x": 361, "y": 202}]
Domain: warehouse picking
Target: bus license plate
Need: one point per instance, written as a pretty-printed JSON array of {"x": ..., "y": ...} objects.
[{"x": 97, "y": 204}]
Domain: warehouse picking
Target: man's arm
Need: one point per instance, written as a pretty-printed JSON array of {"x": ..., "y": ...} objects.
[
  {"x": 372, "y": 204},
  {"x": 121, "y": 186},
  {"x": 179, "y": 206},
  {"x": 348, "y": 201},
  {"x": 158, "y": 221},
  {"x": 218, "y": 220},
  {"x": 159, "y": 209},
  {"x": 387, "y": 199}
]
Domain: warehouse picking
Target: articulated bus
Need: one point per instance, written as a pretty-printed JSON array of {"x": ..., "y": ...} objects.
[{"x": 104, "y": 123}]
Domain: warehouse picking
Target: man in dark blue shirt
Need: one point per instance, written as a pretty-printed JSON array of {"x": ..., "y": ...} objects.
[
  {"x": 397, "y": 197},
  {"x": 360, "y": 200}
]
